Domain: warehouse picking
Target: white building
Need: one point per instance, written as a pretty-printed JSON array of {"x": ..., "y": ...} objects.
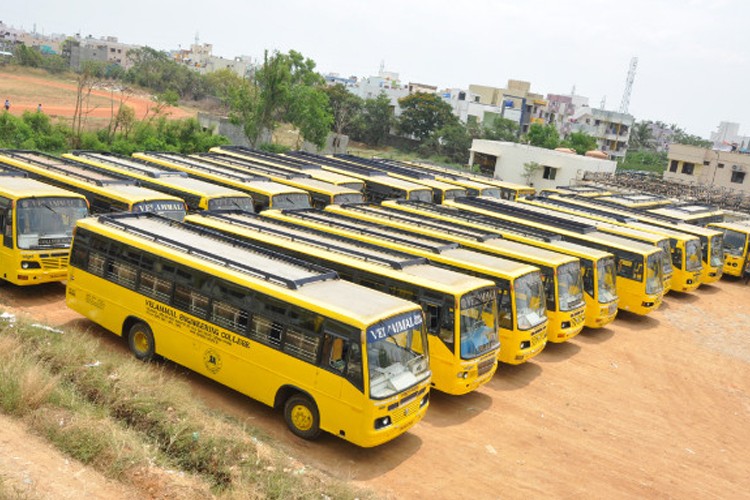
[
  {"x": 508, "y": 159},
  {"x": 727, "y": 138},
  {"x": 468, "y": 109},
  {"x": 611, "y": 129}
]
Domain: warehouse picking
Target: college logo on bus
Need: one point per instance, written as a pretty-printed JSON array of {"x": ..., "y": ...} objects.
[{"x": 212, "y": 360}]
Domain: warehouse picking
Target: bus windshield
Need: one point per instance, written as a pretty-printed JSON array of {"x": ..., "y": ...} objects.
[
  {"x": 734, "y": 242},
  {"x": 48, "y": 222},
  {"x": 530, "y": 301},
  {"x": 478, "y": 323},
  {"x": 451, "y": 194},
  {"x": 343, "y": 199},
  {"x": 693, "y": 255},
  {"x": 397, "y": 356},
  {"x": 654, "y": 277},
  {"x": 607, "y": 285},
  {"x": 570, "y": 286},
  {"x": 717, "y": 251},
  {"x": 421, "y": 195},
  {"x": 491, "y": 192},
  {"x": 236, "y": 202},
  {"x": 291, "y": 201},
  {"x": 168, "y": 208}
]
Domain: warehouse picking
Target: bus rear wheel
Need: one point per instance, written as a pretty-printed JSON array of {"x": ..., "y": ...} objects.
[
  {"x": 141, "y": 341},
  {"x": 301, "y": 416}
]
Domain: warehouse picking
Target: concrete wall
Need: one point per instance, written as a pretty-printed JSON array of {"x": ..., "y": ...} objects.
[
  {"x": 222, "y": 126},
  {"x": 511, "y": 157}
]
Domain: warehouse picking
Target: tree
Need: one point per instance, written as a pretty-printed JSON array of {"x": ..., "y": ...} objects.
[
  {"x": 285, "y": 88},
  {"x": 375, "y": 120},
  {"x": 345, "y": 107},
  {"x": 682, "y": 137},
  {"x": 422, "y": 114},
  {"x": 641, "y": 136},
  {"x": 530, "y": 168},
  {"x": 543, "y": 136},
  {"x": 501, "y": 129},
  {"x": 452, "y": 142},
  {"x": 581, "y": 142}
]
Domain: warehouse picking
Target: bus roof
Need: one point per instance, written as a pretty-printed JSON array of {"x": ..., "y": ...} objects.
[
  {"x": 430, "y": 247},
  {"x": 229, "y": 258},
  {"x": 451, "y": 230},
  {"x": 206, "y": 170},
  {"x": 153, "y": 173},
  {"x": 508, "y": 229},
  {"x": 23, "y": 187},
  {"x": 380, "y": 260},
  {"x": 299, "y": 180}
]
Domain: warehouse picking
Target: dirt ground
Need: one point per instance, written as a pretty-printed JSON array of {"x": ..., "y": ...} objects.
[
  {"x": 26, "y": 91},
  {"x": 655, "y": 406}
]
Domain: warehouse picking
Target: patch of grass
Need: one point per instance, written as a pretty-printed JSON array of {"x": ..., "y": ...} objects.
[{"x": 130, "y": 420}]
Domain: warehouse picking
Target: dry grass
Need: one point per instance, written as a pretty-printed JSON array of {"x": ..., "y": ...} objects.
[{"x": 134, "y": 422}]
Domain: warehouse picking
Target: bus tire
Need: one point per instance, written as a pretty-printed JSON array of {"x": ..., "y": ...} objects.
[
  {"x": 141, "y": 341},
  {"x": 301, "y": 416}
]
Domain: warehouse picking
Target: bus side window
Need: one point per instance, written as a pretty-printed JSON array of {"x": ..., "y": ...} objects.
[
  {"x": 6, "y": 222},
  {"x": 432, "y": 313},
  {"x": 677, "y": 258},
  {"x": 354, "y": 365},
  {"x": 447, "y": 327},
  {"x": 335, "y": 347}
]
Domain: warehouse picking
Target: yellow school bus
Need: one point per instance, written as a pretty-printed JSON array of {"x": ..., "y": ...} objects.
[
  {"x": 683, "y": 249},
  {"x": 291, "y": 165},
  {"x": 441, "y": 191},
  {"x": 378, "y": 185},
  {"x": 712, "y": 255},
  {"x": 640, "y": 284},
  {"x": 736, "y": 247},
  {"x": 460, "y": 310},
  {"x": 522, "y": 320},
  {"x": 321, "y": 193},
  {"x": 197, "y": 194},
  {"x": 335, "y": 356},
  {"x": 265, "y": 193},
  {"x": 506, "y": 190},
  {"x": 584, "y": 225},
  {"x": 597, "y": 267},
  {"x": 37, "y": 222},
  {"x": 104, "y": 191},
  {"x": 561, "y": 274}
]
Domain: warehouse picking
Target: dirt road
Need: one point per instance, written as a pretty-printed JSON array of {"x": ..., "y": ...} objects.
[{"x": 648, "y": 407}]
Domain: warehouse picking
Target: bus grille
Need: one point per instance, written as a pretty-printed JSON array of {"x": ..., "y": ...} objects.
[
  {"x": 405, "y": 411},
  {"x": 55, "y": 262},
  {"x": 485, "y": 366}
]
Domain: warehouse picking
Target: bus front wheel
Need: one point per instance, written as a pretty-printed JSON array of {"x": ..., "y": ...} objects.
[
  {"x": 141, "y": 342},
  {"x": 302, "y": 417}
]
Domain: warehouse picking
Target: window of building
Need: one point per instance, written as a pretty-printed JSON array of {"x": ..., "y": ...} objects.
[
  {"x": 706, "y": 162},
  {"x": 673, "y": 166},
  {"x": 687, "y": 168},
  {"x": 738, "y": 177},
  {"x": 721, "y": 165},
  {"x": 549, "y": 173}
]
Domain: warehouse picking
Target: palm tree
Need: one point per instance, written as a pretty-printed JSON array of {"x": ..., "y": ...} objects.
[{"x": 641, "y": 136}]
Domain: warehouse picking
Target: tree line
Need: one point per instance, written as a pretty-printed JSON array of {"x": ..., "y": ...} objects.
[{"x": 286, "y": 88}]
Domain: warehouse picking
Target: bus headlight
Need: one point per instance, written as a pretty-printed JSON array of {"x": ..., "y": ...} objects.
[
  {"x": 30, "y": 264},
  {"x": 382, "y": 422},
  {"x": 463, "y": 375}
]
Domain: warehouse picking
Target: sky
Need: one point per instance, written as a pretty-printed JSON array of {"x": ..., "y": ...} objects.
[{"x": 692, "y": 67}]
